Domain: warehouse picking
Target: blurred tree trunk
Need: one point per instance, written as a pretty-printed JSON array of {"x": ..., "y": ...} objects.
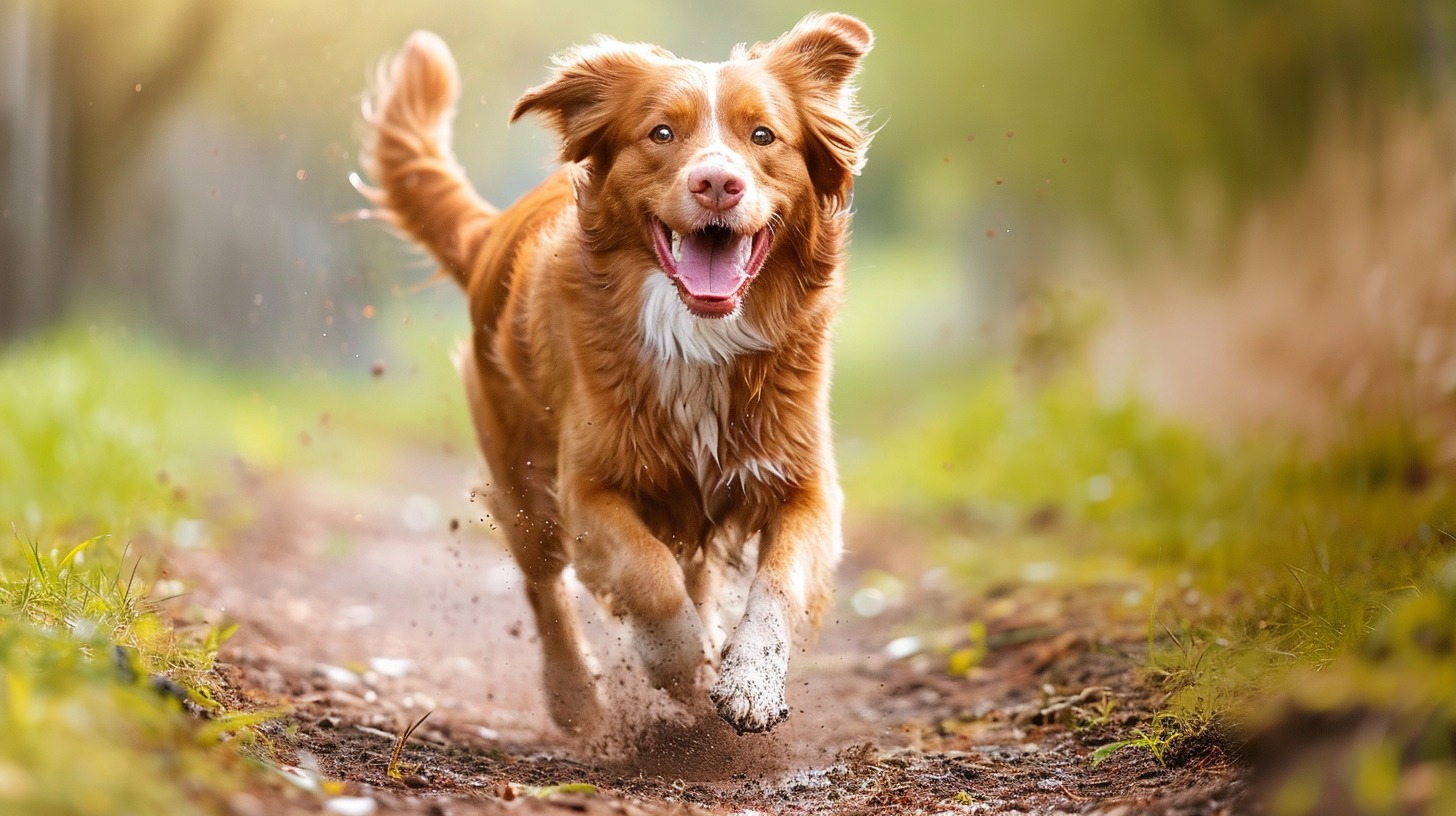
[
  {"x": 82, "y": 88},
  {"x": 1432, "y": 40},
  {"x": 31, "y": 182}
]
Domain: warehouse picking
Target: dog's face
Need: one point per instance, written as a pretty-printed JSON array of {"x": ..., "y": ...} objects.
[{"x": 701, "y": 169}]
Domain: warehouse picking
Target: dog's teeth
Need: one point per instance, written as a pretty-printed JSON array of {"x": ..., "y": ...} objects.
[{"x": 676, "y": 247}]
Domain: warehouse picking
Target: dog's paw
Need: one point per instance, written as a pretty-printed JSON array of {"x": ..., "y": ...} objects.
[
  {"x": 749, "y": 692},
  {"x": 571, "y": 694},
  {"x": 673, "y": 652},
  {"x": 575, "y": 713}
]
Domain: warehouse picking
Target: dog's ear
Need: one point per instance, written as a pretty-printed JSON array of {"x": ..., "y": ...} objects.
[
  {"x": 579, "y": 100},
  {"x": 818, "y": 59}
]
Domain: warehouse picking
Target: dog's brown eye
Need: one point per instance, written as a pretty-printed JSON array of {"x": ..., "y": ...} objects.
[
  {"x": 662, "y": 134},
  {"x": 762, "y": 136}
]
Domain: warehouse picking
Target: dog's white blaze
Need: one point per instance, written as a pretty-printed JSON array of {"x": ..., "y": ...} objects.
[{"x": 715, "y": 131}]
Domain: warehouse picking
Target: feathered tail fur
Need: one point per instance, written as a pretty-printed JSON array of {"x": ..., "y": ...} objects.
[{"x": 421, "y": 188}]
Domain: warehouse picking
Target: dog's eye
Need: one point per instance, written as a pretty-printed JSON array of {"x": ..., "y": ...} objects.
[
  {"x": 662, "y": 134},
  {"x": 762, "y": 136}
]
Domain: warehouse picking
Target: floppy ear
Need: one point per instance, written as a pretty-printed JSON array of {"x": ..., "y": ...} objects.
[
  {"x": 818, "y": 58},
  {"x": 577, "y": 102}
]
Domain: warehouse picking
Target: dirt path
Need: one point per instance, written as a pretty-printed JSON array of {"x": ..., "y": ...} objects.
[{"x": 362, "y": 609}]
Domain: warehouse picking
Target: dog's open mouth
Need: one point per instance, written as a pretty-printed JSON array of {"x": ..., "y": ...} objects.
[{"x": 712, "y": 267}]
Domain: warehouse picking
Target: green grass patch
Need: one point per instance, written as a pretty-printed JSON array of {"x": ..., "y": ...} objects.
[
  {"x": 87, "y": 730},
  {"x": 104, "y": 429},
  {"x": 1282, "y": 577},
  {"x": 114, "y": 447}
]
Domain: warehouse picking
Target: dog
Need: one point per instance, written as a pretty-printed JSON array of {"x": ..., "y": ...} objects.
[{"x": 649, "y": 365}]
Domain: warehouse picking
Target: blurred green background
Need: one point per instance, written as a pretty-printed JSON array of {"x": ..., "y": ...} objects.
[
  {"x": 180, "y": 168},
  {"x": 183, "y": 162},
  {"x": 1160, "y": 292}
]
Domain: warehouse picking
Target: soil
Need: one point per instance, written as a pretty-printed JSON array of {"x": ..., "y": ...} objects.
[{"x": 363, "y": 609}]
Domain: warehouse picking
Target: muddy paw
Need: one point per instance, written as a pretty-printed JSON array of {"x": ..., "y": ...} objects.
[
  {"x": 673, "y": 653},
  {"x": 749, "y": 693}
]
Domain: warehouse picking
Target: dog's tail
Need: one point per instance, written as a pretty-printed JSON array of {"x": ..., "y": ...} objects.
[{"x": 421, "y": 188}]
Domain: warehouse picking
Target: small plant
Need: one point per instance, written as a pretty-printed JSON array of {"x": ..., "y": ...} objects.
[
  {"x": 397, "y": 769},
  {"x": 1096, "y": 715},
  {"x": 1157, "y": 738}
]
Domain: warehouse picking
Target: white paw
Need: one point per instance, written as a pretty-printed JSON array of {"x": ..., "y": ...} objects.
[
  {"x": 749, "y": 693},
  {"x": 672, "y": 651}
]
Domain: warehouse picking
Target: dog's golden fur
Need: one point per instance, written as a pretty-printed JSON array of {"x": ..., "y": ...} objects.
[{"x": 643, "y": 425}]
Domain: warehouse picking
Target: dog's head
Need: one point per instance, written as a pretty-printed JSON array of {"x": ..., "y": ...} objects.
[{"x": 701, "y": 168}]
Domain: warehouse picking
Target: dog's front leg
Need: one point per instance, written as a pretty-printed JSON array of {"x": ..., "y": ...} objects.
[
  {"x": 796, "y": 561},
  {"x": 620, "y": 560}
]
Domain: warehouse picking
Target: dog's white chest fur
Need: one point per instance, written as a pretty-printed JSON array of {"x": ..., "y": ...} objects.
[
  {"x": 689, "y": 354},
  {"x": 671, "y": 334}
]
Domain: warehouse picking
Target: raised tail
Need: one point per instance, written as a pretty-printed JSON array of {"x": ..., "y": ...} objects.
[{"x": 421, "y": 188}]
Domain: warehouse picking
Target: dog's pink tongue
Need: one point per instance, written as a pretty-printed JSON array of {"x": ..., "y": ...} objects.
[{"x": 713, "y": 263}]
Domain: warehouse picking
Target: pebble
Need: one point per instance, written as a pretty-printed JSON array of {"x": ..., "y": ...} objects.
[
  {"x": 338, "y": 675},
  {"x": 351, "y": 806}
]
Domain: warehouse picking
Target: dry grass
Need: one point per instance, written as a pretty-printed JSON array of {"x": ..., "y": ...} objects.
[{"x": 1334, "y": 303}]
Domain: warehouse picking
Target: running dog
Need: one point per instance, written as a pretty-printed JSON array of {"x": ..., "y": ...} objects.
[{"x": 649, "y": 363}]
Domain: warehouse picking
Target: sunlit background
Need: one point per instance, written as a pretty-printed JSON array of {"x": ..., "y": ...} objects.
[
  {"x": 1040, "y": 175},
  {"x": 1150, "y": 282},
  {"x": 184, "y": 163}
]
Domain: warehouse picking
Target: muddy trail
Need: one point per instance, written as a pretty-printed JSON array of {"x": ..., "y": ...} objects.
[{"x": 362, "y": 609}]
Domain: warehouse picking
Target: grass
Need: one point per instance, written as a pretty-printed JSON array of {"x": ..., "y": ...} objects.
[
  {"x": 86, "y": 729},
  {"x": 1276, "y": 578},
  {"x": 114, "y": 448},
  {"x": 105, "y": 429},
  {"x": 1282, "y": 578},
  {"x": 1279, "y": 580}
]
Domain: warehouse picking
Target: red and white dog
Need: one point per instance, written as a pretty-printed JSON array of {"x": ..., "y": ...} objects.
[{"x": 648, "y": 370}]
